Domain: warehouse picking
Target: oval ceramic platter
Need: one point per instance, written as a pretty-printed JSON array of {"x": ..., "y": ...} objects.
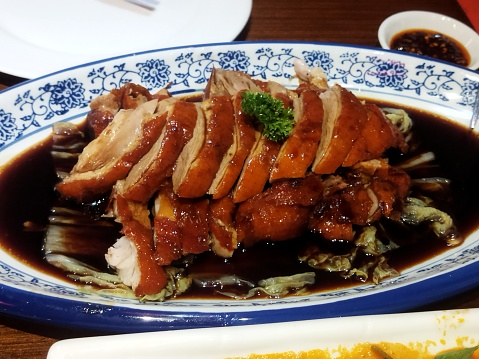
[{"x": 27, "y": 112}]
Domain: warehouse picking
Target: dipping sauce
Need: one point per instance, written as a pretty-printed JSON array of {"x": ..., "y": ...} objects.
[{"x": 432, "y": 44}]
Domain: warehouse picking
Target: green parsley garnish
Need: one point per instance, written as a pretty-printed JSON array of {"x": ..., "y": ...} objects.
[
  {"x": 277, "y": 120},
  {"x": 465, "y": 353}
]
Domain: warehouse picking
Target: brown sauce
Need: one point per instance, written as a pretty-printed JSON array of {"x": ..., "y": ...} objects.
[
  {"x": 431, "y": 44},
  {"x": 26, "y": 190},
  {"x": 24, "y": 200}
]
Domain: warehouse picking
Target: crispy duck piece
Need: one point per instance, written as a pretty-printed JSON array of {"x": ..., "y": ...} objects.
[
  {"x": 280, "y": 92},
  {"x": 380, "y": 169},
  {"x": 233, "y": 84},
  {"x": 201, "y": 158},
  {"x": 343, "y": 120},
  {"x": 191, "y": 150},
  {"x": 232, "y": 163},
  {"x": 180, "y": 225},
  {"x": 102, "y": 111},
  {"x": 132, "y": 255},
  {"x": 256, "y": 169},
  {"x": 222, "y": 227},
  {"x": 111, "y": 155},
  {"x": 229, "y": 83},
  {"x": 105, "y": 107},
  {"x": 299, "y": 149},
  {"x": 155, "y": 166},
  {"x": 371, "y": 190},
  {"x": 194, "y": 223},
  {"x": 259, "y": 163},
  {"x": 167, "y": 231},
  {"x": 281, "y": 212},
  {"x": 378, "y": 133},
  {"x": 132, "y": 95}
]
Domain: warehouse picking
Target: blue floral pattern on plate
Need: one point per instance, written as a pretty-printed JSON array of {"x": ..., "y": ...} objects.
[
  {"x": 33, "y": 106},
  {"x": 187, "y": 70}
]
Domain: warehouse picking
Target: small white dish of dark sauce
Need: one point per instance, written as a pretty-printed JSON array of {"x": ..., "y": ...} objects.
[{"x": 433, "y": 35}]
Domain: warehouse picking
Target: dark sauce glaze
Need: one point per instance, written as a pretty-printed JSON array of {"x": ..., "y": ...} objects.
[
  {"x": 26, "y": 197},
  {"x": 26, "y": 190},
  {"x": 431, "y": 44}
]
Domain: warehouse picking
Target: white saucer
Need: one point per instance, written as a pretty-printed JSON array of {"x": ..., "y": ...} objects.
[
  {"x": 40, "y": 37},
  {"x": 431, "y": 21}
]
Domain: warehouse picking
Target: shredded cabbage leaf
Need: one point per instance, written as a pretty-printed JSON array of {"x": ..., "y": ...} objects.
[
  {"x": 416, "y": 211},
  {"x": 369, "y": 246},
  {"x": 277, "y": 287},
  {"x": 98, "y": 282},
  {"x": 400, "y": 118}
]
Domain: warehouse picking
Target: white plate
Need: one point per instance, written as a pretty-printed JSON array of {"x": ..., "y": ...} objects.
[
  {"x": 436, "y": 331},
  {"x": 28, "y": 110},
  {"x": 40, "y": 37}
]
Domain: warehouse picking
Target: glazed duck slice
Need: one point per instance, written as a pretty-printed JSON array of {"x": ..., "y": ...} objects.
[
  {"x": 110, "y": 156},
  {"x": 222, "y": 227},
  {"x": 343, "y": 120},
  {"x": 232, "y": 163},
  {"x": 232, "y": 84},
  {"x": 167, "y": 232},
  {"x": 180, "y": 225},
  {"x": 378, "y": 134},
  {"x": 201, "y": 158},
  {"x": 133, "y": 255},
  {"x": 259, "y": 163},
  {"x": 299, "y": 149},
  {"x": 193, "y": 215},
  {"x": 190, "y": 151},
  {"x": 155, "y": 166},
  {"x": 229, "y": 83},
  {"x": 256, "y": 169},
  {"x": 102, "y": 111},
  {"x": 105, "y": 107}
]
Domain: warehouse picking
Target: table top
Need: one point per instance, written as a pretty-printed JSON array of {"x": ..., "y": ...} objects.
[{"x": 343, "y": 21}]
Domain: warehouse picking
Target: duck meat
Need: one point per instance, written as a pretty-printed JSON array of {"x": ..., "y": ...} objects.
[
  {"x": 343, "y": 120},
  {"x": 232, "y": 163},
  {"x": 133, "y": 255},
  {"x": 180, "y": 225},
  {"x": 222, "y": 226},
  {"x": 299, "y": 149},
  {"x": 110, "y": 156},
  {"x": 369, "y": 191},
  {"x": 157, "y": 164},
  {"x": 377, "y": 134},
  {"x": 201, "y": 158},
  {"x": 280, "y": 212}
]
